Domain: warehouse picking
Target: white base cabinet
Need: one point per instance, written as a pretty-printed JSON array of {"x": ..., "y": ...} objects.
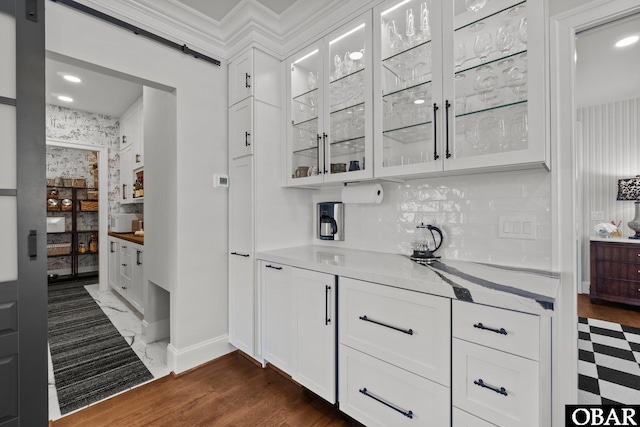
[
  {"x": 126, "y": 271},
  {"x": 299, "y": 325}
]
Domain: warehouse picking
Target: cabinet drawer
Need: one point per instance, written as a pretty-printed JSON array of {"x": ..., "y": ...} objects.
[
  {"x": 505, "y": 330},
  {"x": 480, "y": 372},
  {"x": 617, "y": 270},
  {"x": 616, "y": 288},
  {"x": 465, "y": 419},
  {"x": 379, "y": 394},
  {"x": 407, "y": 329},
  {"x": 622, "y": 252}
]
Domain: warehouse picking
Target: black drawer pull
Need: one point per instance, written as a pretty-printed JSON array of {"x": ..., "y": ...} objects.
[
  {"x": 239, "y": 254},
  {"x": 274, "y": 267},
  {"x": 408, "y": 414},
  {"x": 404, "y": 331},
  {"x": 497, "y": 331},
  {"x": 500, "y": 390}
]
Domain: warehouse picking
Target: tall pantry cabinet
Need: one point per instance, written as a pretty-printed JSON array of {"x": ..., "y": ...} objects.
[{"x": 254, "y": 134}]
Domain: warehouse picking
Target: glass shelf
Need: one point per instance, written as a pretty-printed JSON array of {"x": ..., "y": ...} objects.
[
  {"x": 309, "y": 98},
  {"x": 398, "y": 94},
  {"x": 412, "y": 49},
  {"x": 497, "y": 107},
  {"x": 502, "y": 62},
  {"x": 311, "y": 152},
  {"x": 310, "y": 125},
  {"x": 507, "y": 10},
  {"x": 409, "y": 134}
]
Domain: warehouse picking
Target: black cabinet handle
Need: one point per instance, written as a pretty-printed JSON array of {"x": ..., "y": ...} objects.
[
  {"x": 320, "y": 171},
  {"x": 124, "y": 139},
  {"x": 137, "y": 158},
  {"x": 273, "y": 266},
  {"x": 239, "y": 254},
  {"x": 124, "y": 265},
  {"x": 124, "y": 192},
  {"x": 246, "y": 139},
  {"x": 446, "y": 117},
  {"x": 404, "y": 331},
  {"x": 327, "y": 288},
  {"x": 435, "y": 132},
  {"x": 32, "y": 244},
  {"x": 500, "y": 331},
  {"x": 247, "y": 76},
  {"x": 111, "y": 247},
  {"x": 324, "y": 151},
  {"x": 500, "y": 390},
  {"x": 408, "y": 414},
  {"x": 138, "y": 257}
]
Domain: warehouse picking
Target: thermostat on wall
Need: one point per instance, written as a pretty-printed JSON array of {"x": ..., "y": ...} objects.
[{"x": 220, "y": 181}]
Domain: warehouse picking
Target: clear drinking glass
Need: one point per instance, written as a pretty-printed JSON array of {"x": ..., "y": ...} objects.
[
  {"x": 475, "y": 6},
  {"x": 459, "y": 58},
  {"x": 505, "y": 38},
  {"x": 482, "y": 46},
  {"x": 410, "y": 27},
  {"x": 522, "y": 31},
  {"x": 425, "y": 28}
]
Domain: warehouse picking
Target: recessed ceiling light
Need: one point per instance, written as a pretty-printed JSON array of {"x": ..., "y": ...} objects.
[
  {"x": 627, "y": 41},
  {"x": 71, "y": 78},
  {"x": 65, "y": 98},
  {"x": 355, "y": 56},
  {"x": 419, "y": 101}
]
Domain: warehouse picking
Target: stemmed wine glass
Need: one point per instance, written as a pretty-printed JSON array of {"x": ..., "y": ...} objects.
[
  {"x": 411, "y": 30},
  {"x": 505, "y": 39},
  {"x": 425, "y": 28},
  {"x": 482, "y": 46},
  {"x": 475, "y": 6},
  {"x": 395, "y": 39},
  {"x": 522, "y": 31}
]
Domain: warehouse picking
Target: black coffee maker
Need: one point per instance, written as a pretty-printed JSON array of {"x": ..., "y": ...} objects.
[{"x": 330, "y": 221}]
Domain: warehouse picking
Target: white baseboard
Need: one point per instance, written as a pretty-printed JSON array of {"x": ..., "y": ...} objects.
[
  {"x": 154, "y": 331},
  {"x": 180, "y": 360},
  {"x": 585, "y": 287}
]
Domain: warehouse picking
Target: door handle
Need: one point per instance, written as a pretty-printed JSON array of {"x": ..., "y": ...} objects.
[
  {"x": 327, "y": 288},
  {"x": 446, "y": 117},
  {"x": 274, "y": 267},
  {"x": 435, "y": 132},
  {"x": 111, "y": 247},
  {"x": 240, "y": 254},
  {"x": 32, "y": 244},
  {"x": 246, "y": 139},
  {"x": 324, "y": 151},
  {"x": 247, "y": 76},
  {"x": 138, "y": 257},
  {"x": 124, "y": 191},
  {"x": 137, "y": 158}
]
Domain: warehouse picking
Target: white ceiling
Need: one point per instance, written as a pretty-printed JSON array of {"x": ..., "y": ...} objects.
[
  {"x": 219, "y": 9},
  {"x": 605, "y": 73},
  {"x": 97, "y": 93}
]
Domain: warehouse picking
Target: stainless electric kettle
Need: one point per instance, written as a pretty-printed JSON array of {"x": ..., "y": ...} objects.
[{"x": 429, "y": 240}]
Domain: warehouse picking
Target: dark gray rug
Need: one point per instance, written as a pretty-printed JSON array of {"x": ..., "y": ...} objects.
[{"x": 91, "y": 360}]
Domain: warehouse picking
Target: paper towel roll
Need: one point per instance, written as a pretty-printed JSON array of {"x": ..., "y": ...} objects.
[{"x": 369, "y": 193}]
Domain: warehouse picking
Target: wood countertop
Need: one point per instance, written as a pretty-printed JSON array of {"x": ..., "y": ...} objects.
[{"x": 130, "y": 237}]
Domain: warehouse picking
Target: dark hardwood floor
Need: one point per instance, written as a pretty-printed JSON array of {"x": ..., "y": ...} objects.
[
  {"x": 609, "y": 311},
  {"x": 229, "y": 391}
]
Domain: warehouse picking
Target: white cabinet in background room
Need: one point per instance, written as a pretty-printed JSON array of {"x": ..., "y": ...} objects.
[
  {"x": 126, "y": 271},
  {"x": 299, "y": 325},
  {"x": 329, "y": 108},
  {"x": 501, "y": 365},
  {"x": 254, "y": 134},
  {"x": 395, "y": 359},
  {"x": 131, "y": 149},
  {"x": 459, "y": 90}
]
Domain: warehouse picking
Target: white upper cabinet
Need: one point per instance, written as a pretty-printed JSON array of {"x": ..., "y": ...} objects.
[
  {"x": 329, "y": 113},
  {"x": 241, "y": 78},
  {"x": 241, "y": 128},
  {"x": 459, "y": 86}
]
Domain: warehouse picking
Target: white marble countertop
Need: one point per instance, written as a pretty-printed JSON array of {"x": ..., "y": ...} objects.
[
  {"x": 615, "y": 240},
  {"x": 521, "y": 289}
]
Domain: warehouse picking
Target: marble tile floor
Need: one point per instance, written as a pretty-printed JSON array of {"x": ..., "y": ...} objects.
[{"x": 128, "y": 323}]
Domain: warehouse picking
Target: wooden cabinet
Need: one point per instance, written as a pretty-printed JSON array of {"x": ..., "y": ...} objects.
[
  {"x": 500, "y": 365},
  {"x": 615, "y": 271},
  {"x": 299, "y": 325},
  {"x": 126, "y": 271},
  {"x": 395, "y": 355}
]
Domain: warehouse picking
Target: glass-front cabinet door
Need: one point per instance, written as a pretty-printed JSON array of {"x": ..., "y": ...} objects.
[
  {"x": 408, "y": 84},
  {"x": 494, "y": 82},
  {"x": 330, "y": 85},
  {"x": 305, "y": 144}
]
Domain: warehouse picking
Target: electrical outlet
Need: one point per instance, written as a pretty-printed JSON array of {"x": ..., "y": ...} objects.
[{"x": 597, "y": 216}]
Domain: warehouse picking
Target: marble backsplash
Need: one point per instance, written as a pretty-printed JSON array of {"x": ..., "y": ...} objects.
[{"x": 467, "y": 209}]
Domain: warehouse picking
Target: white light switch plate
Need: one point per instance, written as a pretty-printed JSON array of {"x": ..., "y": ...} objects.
[{"x": 518, "y": 227}]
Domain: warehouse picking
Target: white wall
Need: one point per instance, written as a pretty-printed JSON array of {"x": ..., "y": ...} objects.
[
  {"x": 610, "y": 150},
  {"x": 465, "y": 207},
  {"x": 199, "y": 300}
]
